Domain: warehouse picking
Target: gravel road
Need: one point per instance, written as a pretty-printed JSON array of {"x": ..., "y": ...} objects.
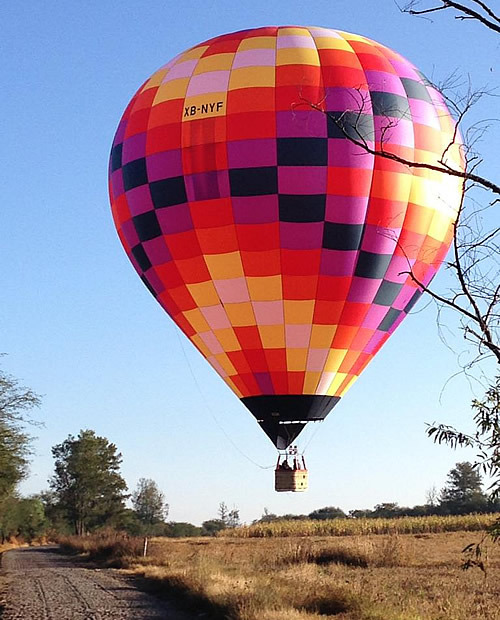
[{"x": 42, "y": 584}]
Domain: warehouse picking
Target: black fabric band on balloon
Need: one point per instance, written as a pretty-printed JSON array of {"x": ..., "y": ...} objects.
[{"x": 283, "y": 417}]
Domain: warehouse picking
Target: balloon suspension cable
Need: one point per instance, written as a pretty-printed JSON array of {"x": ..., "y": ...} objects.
[
  {"x": 313, "y": 435},
  {"x": 210, "y": 410}
]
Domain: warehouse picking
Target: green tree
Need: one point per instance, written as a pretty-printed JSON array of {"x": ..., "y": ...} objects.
[
  {"x": 128, "y": 521},
  {"x": 87, "y": 483},
  {"x": 360, "y": 513},
  {"x": 328, "y": 512},
  {"x": 54, "y": 513},
  {"x": 212, "y": 526},
  {"x": 386, "y": 510},
  {"x": 267, "y": 517},
  {"x": 32, "y": 521},
  {"x": 8, "y": 517},
  {"x": 463, "y": 491},
  {"x": 149, "y": 503},
  {"x": 22, "y": 517},
  {"x": 181, "y": 529},
  {"x": 16, "y": 402}
]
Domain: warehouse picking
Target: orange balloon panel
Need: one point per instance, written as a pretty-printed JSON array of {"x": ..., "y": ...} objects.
[{"x": 246, "y": 201}]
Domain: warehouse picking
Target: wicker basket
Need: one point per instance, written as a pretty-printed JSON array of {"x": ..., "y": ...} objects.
[{"x": 295, "y": 480}]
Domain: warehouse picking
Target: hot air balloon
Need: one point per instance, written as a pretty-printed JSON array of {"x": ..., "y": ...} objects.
[{"x": 248, "y": 194}]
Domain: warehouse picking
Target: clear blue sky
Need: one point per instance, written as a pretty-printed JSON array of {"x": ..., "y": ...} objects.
[{"x": 81, "y": 329}]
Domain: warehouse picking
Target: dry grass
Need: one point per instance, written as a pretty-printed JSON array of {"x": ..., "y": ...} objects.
[
  {"x": 14, "y": 542},
  {"x": 8, "y": 545},
  {"x": 108, "y": 547},
  {"x": 353, "y": 527},
  {"x": 373, "y": 577}
]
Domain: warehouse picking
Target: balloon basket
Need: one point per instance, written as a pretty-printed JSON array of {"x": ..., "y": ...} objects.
[{"x": 291, "y": 473}]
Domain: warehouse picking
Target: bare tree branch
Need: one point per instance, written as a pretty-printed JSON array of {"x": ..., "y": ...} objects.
[
  {"x": 490, "y": 20},
  {"x": 440, "y": 167},
  {"x": 476, "y": 297}
]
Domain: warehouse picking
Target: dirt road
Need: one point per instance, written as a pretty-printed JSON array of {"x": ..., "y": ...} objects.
[{"x": 42, "y": 584}]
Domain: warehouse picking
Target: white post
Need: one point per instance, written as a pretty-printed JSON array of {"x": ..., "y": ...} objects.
[{"x": 145, "y": 548}]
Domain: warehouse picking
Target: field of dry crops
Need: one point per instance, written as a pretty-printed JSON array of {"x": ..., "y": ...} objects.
[
  {"x": 359, "y": 527},
  {"x": 382, "y": 577}
]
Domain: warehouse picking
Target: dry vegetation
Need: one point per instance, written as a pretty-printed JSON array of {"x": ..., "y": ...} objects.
[
  {"x": 370, "y": 577},
  {"x": 15, "y": 542},
  {"x": 8, "y": 545},
  {"x": 354, "y": 527}
]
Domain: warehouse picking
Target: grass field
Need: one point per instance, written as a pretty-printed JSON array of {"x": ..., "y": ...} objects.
[{"x": 362, "y": 577}]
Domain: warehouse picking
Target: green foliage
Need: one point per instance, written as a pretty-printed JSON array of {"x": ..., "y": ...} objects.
[
  {"x": 14, "y": 451},
  {"x": 31, "y": 518},
  {"x": 128, "y": 521},
  {"x": 386, "y": 510},
  {"x": 180, "y": 529},
  {"x": 212, "y": 526},
  {"x": 420, "y": 510},
  {"x": 391, "y": 510},
  {"x": 55, "y": 514},
  {"x": 22, "y": 517},
  {"x": 8, "y": 518},
  {"x": 15, "y": 403},
  {"x": 267, "y": 517},
  {"x": 290, "y": 517},
  {"x": 328, "y": 512},
  {"x": 486, "y": 439},
  {"x": 149, "y": 503},
  {"x": 87, "y": 484},
  {"x": 360, "y": 513}
]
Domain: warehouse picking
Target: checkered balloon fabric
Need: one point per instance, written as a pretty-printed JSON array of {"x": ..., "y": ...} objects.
[{"x": 247, "y": 192}]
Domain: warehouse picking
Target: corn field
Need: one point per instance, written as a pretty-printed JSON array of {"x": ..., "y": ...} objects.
[{"x": 359, "y": 527}]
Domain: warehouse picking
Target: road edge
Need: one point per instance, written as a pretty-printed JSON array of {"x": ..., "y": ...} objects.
[{"x": 3, "y": 587}]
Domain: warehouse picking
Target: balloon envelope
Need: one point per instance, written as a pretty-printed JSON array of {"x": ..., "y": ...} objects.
[{"x": 245, "y": 194}]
